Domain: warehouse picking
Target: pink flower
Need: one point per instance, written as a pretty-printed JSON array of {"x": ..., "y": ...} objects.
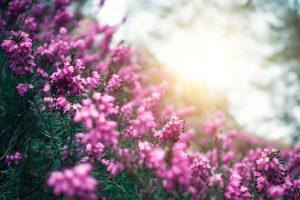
[
  {"x": 24, "y": 88},
  {"x": 276, "y": 192},
  {"x": 95, "y": 116},
  {"x": 171, "y": 131},
  {"x": 17, "y": 7},
  {"x": 210, "y": 127},
  {"x": 94, "y": 80},
  {"x": 234, "y": 189},
  {"x": 121, "y": 54},
  {"x": 75, "y": 182},
  {"x": 269, "y": 170},
  {"x": 144, "y": 122},
  {"x": 42, "y": 73},
  {"x": 13, "y": 158},
  {"x": 46, "y": 88},
  {"x": 68, "y": 80},
  {"x": 19, "y": 51},
  {"x": 62, "y": 104},
  {"x": 114, "y": 83}
]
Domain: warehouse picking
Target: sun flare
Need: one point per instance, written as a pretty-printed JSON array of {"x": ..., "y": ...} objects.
[{"x": 210, "y": 58}]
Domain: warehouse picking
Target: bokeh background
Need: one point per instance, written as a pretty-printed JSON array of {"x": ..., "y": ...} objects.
[{"x": 239, "y": 56}]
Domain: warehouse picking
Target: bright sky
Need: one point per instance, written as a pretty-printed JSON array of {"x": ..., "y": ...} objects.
[{"x": 205, "y": 51}]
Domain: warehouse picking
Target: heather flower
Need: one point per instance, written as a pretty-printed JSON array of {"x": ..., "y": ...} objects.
[
  {"x": 127, "y": 109},
  {"x": 113, "y": 167},
  {"x": 295, "y": 189},
  {"x": 216, "y": 179},
  {"x": 143, "y": 122},
  {"x": 276, "y": 192},
  {"x": 269, "y": 169},
  {"x": 235, "y": 190},
  {"x": 46, "y": 88},
  {"x": 171, "y": 131},
  {"x": 200, "y": 172},
  {"x": 200, "y": 167},
  {"x": 67, "y": 80},
  {"x": 95, "y": 151},
  {"x": 13, "y": 158},
  {"x": 40, "y": 72},
  {"x": 59, "y": 47},
  {"x": 178, "y": 170},
  {"x": 101, "y": 3},
  {"x": 95, "y": 115},
  {"x": 62, "y": 104},
  {"x": 19, "y": 51},
  {"x": 61, "y": 3},
  {"x": 173, "y": 167},
  {"x": 102, "y": 67},
  {"x": 91, "y": 35},
  {"x": 24, "y": 88},
  {"x": 293, "y": 164},
  {"x": 121, "y": 54},
  {"x": 108, "y": 33},
  {"x": 212, "y": 126},
  {"x": 31, "y": 26},
  {"x": 114, "y": 83},
  {"x": 244, "y": 168},
  {"x": 151, "y": 102},
  {"x": 93, "y": 81},
  {"x": 62, "y": 18},
  {"x": 17, "y": 7},
  {"x": 130, "y": 77},
  {"x": 75, "y": 182},
  {"x": 152, "y": 157}
]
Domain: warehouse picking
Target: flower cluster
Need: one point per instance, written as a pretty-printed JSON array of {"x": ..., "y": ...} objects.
[
  {"x": 75, "y": 182},
  {"x": 68, "y": 80},
  {"x": 86, "y": 84},
  {"x": 171, "y": 131},
  {"x": 269, "y": 170},
  {"x": 13, "y": 158},
  {"x": 114, "y": 83},
  {"x": 24, "y": 88},
  {"x": 95, "y": 115},
  {"x": 19, "y": 51},
  {"x": 17, "y": 7}
]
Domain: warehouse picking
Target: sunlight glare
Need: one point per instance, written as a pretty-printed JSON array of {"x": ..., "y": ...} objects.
[{"x": 208, "y": 58}]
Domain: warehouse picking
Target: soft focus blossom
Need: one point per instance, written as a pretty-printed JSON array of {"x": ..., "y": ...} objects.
[
  {"x": 75, "y": 182},
  {"x": 114, "y": 83},
  {"x": 171, "y": 131},
  {"x": 13, "y": 158},
  {"x": 24, "y": 88}
]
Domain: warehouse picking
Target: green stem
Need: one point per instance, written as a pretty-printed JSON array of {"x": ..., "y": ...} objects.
[{"x": 49, "y": 130}]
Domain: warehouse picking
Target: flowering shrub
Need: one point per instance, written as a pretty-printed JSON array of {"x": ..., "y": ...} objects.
[{"x": 79, "y": 120}]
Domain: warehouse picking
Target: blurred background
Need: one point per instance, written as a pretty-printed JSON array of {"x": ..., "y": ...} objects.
[{"x": 239, "y": 56}]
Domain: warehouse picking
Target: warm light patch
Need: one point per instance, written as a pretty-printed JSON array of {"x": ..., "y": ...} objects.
[{"x": 204, "y": 56}]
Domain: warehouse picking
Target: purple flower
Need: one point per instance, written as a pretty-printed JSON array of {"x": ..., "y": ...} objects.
[
  {"x": 24, "y": 88},
  {"x": 75, "y": 182},
  {"x": 171, "y": 131},
  {"x": 19, "y": 51},
  {"x": 13, "y": 158},
  {"x": 17, "y": 7},
  {"x": 269, "y": 166},
  {"x": 121, "y": 54},
  {"x": 114, "y": 83},
  {"x": 235, "y": 190},
  {"x": 95, "y": 114}
]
